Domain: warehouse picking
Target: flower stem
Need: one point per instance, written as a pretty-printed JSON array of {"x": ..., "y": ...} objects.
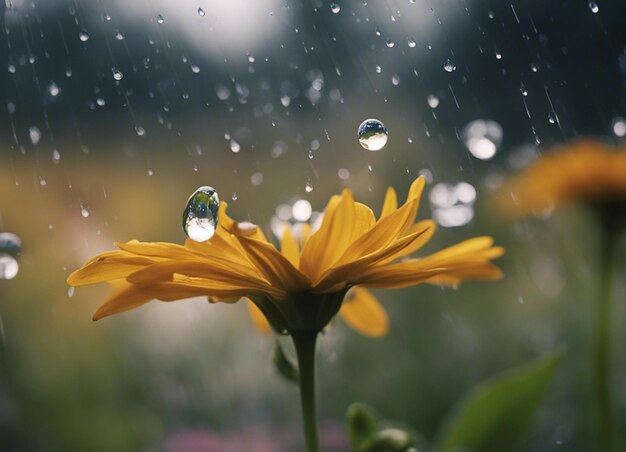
[
  {"x": 305, "y": 349},
  {"x": 601, "y": 352}
]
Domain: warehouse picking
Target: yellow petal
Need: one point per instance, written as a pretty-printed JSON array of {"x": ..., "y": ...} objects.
[
  {"x": 362, "y": 312},
  {"x": 289, "y": 247},
  {"x": 108, "y": 266},
  {"x": 390, "y": 204},
  {"x": 258, "y": 319},
  {"x": 483, "y": 272},
  {"x": 327, "y": 244},
  {"x": 122, "y": 300},
  {"x": 274, "y": 266}
]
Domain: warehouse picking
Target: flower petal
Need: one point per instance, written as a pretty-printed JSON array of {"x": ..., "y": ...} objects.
[
  {"x": 289, "y": 247},
  {"x": 258, "y": 319},
  {"x": 108, "y": 266},
  {"x": 274, "y": 266},
  {"x": 390, "y": 204},
  {"x": 363, "y": 313}
]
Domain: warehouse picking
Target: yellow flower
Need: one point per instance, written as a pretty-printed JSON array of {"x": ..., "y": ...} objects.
[
  {"x": 585, "y": 170},
  {"x": 302, "y": 286}
]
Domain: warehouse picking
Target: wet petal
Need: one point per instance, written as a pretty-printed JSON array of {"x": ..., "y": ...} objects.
[{"x": 108, "y": 266}]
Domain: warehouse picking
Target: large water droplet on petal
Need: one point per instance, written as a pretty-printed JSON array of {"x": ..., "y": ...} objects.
[
  {"x": 200, "y": 215},
  {"x": 372, "y": 135}
]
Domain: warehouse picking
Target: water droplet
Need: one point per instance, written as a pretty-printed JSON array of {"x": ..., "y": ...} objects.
[
  {"x": 619, "y": 127},
  {"x": 119, "y": 36},
  {"x": 117, "y": 74},
  {"x": 378, "y": 32},
  {"x": 234, "y": 196},
  {"x": 200, "y": 215},
  {"x": 593, "y": 6},
  {"x": 301, "y": 210},
  {"x": 83, "y": 35},
  {"x": 372, "y": 135},
  {"x": 160, "y": 19},
  {"x": 56, "y": 156},
  {"x": 335, "y": 8},
  {"x": 70, "y": 291},
  {"x": 12, "y": 68},
  {"x": 308, "y": 187},
  {"x": 378, "y": 69},
  {"x": 343, "y": 173},
  {"x": 84, "y": 212},
  {"x": 140, "y": 131},
  {"x": 235, "y": 146},
  {"x": 395, "y": 79},
  {"x": 482, "y": 138},
  {"x": 101, "y": 102},
  {"x": 552, "y": 117},
  {"x": 10, "y": 243},
  {"x": 411, "y": 42},
  {"x": 449, "y": 66},
  {"x": 390, "y": 43},
  {"x": 8, "y": 266},
  {"x": 35, "y": 134},
  {"x": 433, "y": 101},
  {"x": 54, "y": 89},
  {"x": 201, "y": 12},
  {"x": 256, "y": 179}
]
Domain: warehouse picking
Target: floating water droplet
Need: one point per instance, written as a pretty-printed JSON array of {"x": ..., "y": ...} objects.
[
  {"x": 200, "y": 215},
  {"x": 83, "y": 35},
  {"x": 56, "y": 156},
  {"x": 593, "y": 6},
  {"x": 256, "y": 179},
  {"x": 433, "y": 101},
  {"x": 160, "y": 19},
  {"x": 343, "y": 173},
  {"x": 301, "y": 210},
  {"x": 117, "y": 74},
  {"x": 482, "y": 138},
  {"x": 395, "y": 79},
  {"x": 449, "y": 66},
  {"x": 54, "y": 89},
  {"x": 201, "y": 12},
  {"x": 619, "y": 127},
  {"x": 378, "y": 32},
  {"x": 101, "y": 102},
  {"x": 10, "y": 243},
  {"x": 234, "y": 196},
  {"x": 119, "y": 36},
  {"x": 411, "y": 42},
  {"x": 11, "y": 68},
  {"x": 34, "y": 134},
  {"x": 308, "y": 187},
  {"x": 390, "y": 43},
  {"x": 378, "y": 69},
  {"x": 70, "y": 291},
  {"x": 335, "y": 8},
  {"x": 8, "y": 266},
  {"x": 140, "y": 131},
  {"x": 84, "y": 212},
  {"x": 372, "y": 135}
]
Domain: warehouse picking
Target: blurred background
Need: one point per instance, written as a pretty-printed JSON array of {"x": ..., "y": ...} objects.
[{"x": 114, "y": 112}]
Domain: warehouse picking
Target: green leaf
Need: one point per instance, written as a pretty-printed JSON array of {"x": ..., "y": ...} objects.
[
  {"x": 361, "y": 426},
  {"x": 496, "y": 414},
  {"x": 286, "y": 367}
]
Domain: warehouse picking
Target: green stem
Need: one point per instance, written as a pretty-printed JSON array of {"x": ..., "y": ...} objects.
[
  {"x": 305, "y": 349},
  {"x": 601, "y": 354}
]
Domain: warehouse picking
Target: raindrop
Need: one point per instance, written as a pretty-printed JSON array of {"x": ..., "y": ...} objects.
[
  {"x": 35, "y": 134},
  {"x": 593, "y": 6},
  {"x": 140, "y": 131},
  {"x": 84, "y": 212},
  {"x": 372, "y": 135},
  {"x": 411, "y": 42},
  {"x": 200, "y": 215},
  {"x": 378, "y": 69},
  {"x": 201, "y": 12},
  {"x": 301, "y": 210},
  {"x": 433, "y": 101},
  {"x": 117, "y": 74},
  {"x": 8, "y": 266},
  {"x": 619, "y": 127},
  {"x": 54, "y": 89},
  {"x": 395, "y": 79},
  {"x": 119, "y": 36},
  {"x": 308, "y": 187},
  {"x": 449, "y": 66},
  {"x": 335, "y": 8},
  {"x": 378, "y": 32},
  {"x": 482, "y": 138},
  {"x": 552, "y": 117},
  {"x": 70, "y": 291},
  {"x": 160, "y": 19},
  {"x": 343, "y": 173},
  {"x": 390, "y": 43},
  {"x": 256, "y": 179},
  {"x": 12, "y": 68},
  {"x": 234, "y": 196},
  {"x": 83, "y": 35},
  {"x": 56, "y": 156},
  {"x": 101, "y": 102}
]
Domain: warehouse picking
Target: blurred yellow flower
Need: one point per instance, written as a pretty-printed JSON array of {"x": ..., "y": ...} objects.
[
  {"x": 586, "y": 171},
  {"x": 302, "y": 286}
]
